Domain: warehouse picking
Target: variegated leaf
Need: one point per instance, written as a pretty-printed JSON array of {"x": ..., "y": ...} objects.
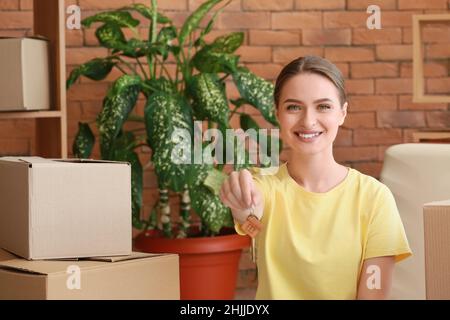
[
  {"x": 119, "y": 18},
  {"x": 84, "y": 141},
  {"x": 97, "y": 69},
  {"x": 117, "y": 105}
]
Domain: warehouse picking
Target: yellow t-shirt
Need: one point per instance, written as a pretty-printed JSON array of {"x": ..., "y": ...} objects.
[{"x": 313, "y": 245}]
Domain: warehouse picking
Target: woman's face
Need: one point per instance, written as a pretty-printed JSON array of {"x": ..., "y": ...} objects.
[{"x": 309, "y": 113}]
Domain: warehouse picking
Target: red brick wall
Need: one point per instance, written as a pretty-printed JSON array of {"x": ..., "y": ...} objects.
[{"x": 376, "y": 63}]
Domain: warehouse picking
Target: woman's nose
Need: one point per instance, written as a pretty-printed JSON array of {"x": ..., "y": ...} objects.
[{"x": 308, "y": 119}]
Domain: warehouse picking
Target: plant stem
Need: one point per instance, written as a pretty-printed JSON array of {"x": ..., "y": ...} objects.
[
  {"x": 184, "y": 213},
  {"x": 165, "y": 212},
  {"x": 118, "y": 67},
  {"x": 142, "y": 68},
  {"x": 127, "y": 64}
]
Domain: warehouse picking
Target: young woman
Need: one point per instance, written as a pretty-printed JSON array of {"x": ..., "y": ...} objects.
[{"x": 329, "y": 231}]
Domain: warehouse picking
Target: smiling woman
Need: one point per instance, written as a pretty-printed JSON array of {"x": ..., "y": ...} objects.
[{"x": 328, "y": 231}]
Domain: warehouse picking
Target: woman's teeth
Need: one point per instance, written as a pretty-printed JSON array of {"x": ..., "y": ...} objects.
[{"x": 308, "y": 135}]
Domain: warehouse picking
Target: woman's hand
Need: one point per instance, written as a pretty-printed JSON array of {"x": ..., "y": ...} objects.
[{"x": 240, "y": 193}]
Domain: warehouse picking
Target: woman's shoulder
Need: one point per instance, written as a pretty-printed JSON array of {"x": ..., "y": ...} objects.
[{"x": 368, "y": 184}]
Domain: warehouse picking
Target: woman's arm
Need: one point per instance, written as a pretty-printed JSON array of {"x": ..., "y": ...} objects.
[{"x": 376, "y": 278}]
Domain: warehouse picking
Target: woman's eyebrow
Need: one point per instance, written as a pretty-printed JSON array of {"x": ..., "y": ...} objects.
[{"x": 316, "y": 101}]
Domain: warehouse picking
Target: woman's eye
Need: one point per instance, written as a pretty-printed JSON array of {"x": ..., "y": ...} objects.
[
  {"x": 293, "y": 107},
  {"x": 324, "y": 107}
]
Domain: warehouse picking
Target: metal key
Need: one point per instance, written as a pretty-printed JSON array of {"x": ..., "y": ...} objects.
[{"x": 252, "y": 226}]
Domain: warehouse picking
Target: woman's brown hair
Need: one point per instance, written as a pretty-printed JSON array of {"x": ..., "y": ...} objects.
[{"x": 311, "y": 64}]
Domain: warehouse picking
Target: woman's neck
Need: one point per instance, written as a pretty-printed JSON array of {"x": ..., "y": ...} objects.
[{"x": 316, "y": 173}]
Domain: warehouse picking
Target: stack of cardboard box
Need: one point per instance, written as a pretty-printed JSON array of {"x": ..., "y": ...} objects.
[{"x": 65, "y": 233}]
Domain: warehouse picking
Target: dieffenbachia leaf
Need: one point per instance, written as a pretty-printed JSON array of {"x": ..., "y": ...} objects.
[
  {"x": 111, "y": 36},
  {"x": 119, "y": 18},
  {"x": 213, "y": 213},
  {"x": 96, "y": 69},
  {"x": 155, "y": 85},
  {"x": 84, "y": 141},
  {"x": 117, "y": 105},
  {"x": 214, "y": 180},
  {"x": 256, "y": 91},
  {"x": 164, "y": 38},
  {"x": 123, "y": 151},
  {"x": 167, "y": 118},
  {"x": 147, "y": 12},
  {"x": 210, "y": 98},
  {"x": 193, "y": 21},
  {"x": 217, "y": 57}
]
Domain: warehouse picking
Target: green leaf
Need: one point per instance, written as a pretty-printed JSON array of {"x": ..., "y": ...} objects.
[
  {"x": 214, "y": 180},
  {"x": 111, "y": 36},
  {"x": 155, "y": 85},
  {"x": 194, "y": 20},
  {"x": 123, "y": 151},
  {"x": 117, "y": 105},
  {"x": 136, "y": 48},
  {"x": 209, "y": 60},
  {"x": 164, "y": 114},
  {"x": 147, "y": 12},
  {"x": 257, "y": 91},
  {"x": 164, "y": 38},
  {"x": 96, "y": 69},
  {"x": 210, "y": 98},
  {"x": 118, "y": 18},
  {"x": 208, "y": 206},
  {"x": 228, "y": 43},
  {"x": 84, "y": 141}
]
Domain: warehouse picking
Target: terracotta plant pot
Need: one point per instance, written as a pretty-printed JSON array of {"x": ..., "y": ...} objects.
[{"x": 208, "y": 265}]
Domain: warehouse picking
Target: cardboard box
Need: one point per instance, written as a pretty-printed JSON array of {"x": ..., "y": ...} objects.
[
  {"x": 24, "y": 74},
  {"x": 138, "y": 276},
  {"x": 65, "y": 208},
  {"x": 436, "y": 218}
]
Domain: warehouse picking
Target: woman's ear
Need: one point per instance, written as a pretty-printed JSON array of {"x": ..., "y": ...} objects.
[{"x": 344, "y": 113}]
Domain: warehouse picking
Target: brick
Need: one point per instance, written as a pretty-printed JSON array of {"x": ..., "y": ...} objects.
[
  {"x": 14, "y": 147},
  {"x": 73, "y": 110},
  {"x": 319, "y": 5},
  {"x": 400, "y": 119},
  {"x": 365, "y": 86},
  {"x": 77, "y": 56},
  {"x": 296, "y": 20},
  {"x": 364, "y": 4},
  {"x": 359, "y": 120},
  {"x": 382, "y": 152},
  {"x": 374, "y": 70},
  {"x": 267, "y": 5},
  {"x": 406, "y": 35},
  {"x": 344, "y": 138},
  {"x": 438, "y": 119},
  {"x": 372, "y": 103},
  {"x": 22, "y": 128},
  {"x": 405, "y": 103},
  {"x": 87, "y": 92},
  {"x": 26, "y": 4},
  {"x": 384, "y": 86},
  {"x": 234, "y": 5},
  {"x": 341, "y": 54},
  {"x": 179, "y": 18},
  {"x": 394, "y": 52},
  {"x": 368, "y": 137},
  {"x": 255, "y": 54},
  {"x": 344, "y": 19},
  {"x": 268, "y": 37},
  {"x": 9, "y": 5},
  {"x": 74, "y": 38},
  {"x": 381, "y": 36},
  {"x": 313, "y": 37},
  {"x": 244, "y": 20},
  {"x": 369, "y": 168},
  {"x": 397, "y": 18},
  {"x": 103, "y": 5},
  {"x": 267, "y": 71},
  {"x": 436, "y": 33},
  {"x": 438, "y": 86},
  {"x": 344, "y": 68},
  {"x": 16, "y": 19},
  {"x": 430, "y": 69},
  {"x": 441, "y": 51},
  {"x": 354, "y": 154},
  {"x": 283, "y": 55},
  {"x": 422, "y": 4}
]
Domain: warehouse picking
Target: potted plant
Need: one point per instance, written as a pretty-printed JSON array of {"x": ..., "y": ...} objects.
[{"x": 195, "y": 92}]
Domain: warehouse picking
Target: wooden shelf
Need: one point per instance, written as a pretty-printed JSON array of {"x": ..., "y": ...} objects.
[
  {"x": 51, "y": 125},
  {"x": 30, "y": 114}
]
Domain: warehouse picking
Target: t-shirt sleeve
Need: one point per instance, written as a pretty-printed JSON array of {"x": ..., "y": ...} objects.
[{"x": 386, "y": 234}]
